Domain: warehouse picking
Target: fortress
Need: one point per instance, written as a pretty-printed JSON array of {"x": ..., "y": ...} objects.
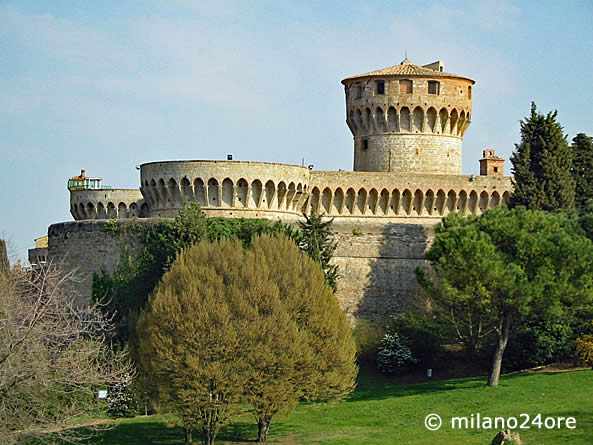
[{"x": 407, "y": 123}]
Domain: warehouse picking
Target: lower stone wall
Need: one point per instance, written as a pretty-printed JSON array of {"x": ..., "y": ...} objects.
[
  {"x": 376, "y": 260},
  {"x": 377, "y": 264},
  {"x": 86, "y": 248}
]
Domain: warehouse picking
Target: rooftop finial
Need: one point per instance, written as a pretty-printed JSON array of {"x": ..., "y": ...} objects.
[{"x": 405, "y": 61}]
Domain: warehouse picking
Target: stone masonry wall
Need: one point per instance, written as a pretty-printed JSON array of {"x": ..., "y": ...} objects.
[
  {"x": 86, "y": 247},
  {"x": 376, "y": 265},
  {"x": 409, "y": 153}
]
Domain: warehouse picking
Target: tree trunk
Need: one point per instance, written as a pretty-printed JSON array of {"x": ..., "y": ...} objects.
[
  {"x": 263, "y": 428},
  {"x": 207, "y": 437},
  {"x": 188, "y": 438},
  {"x": 503, "y": 338}
]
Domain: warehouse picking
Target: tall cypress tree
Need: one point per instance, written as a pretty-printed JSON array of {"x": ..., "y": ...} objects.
[
  {"x": 4, "y": 263},
  {"x": 542, "y": 164},
  {"x": 316, "y": 239},
  {"x": 582, "y": 149}
]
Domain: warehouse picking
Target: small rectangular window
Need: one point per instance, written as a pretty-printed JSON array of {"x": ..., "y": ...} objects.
[
  {"x": 365, "y": 144},
  {"x": 380, "y": 87},
  {"x": 433, "y": 87},
  {"x": 469, "y": 92},
  {"x": 495, "y": 169},
  {"x": 405, "y": 86},
  {"x": 358, "y": 91}
]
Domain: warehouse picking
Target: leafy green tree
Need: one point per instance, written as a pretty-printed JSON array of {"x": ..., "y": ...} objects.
[
  {"x": 4, "y": 263},
  {"x": 316, "y": 238},
  {"x": 191, "y": 337},
  {"x": 505, "y": 263},
  {"x": 326, "y": 367},
  {"x": 542, "y": 164},
  {"x": 582, "y": 148},
  {"x": 226, "y": 326},
  {"x": 126, "y": 291}
]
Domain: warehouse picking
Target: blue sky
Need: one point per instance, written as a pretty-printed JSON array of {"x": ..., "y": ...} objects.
[{"x": 109, "y": 85}]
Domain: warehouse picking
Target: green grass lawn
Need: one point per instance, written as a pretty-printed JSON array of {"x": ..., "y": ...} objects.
[{"x": 384, "y": 412}]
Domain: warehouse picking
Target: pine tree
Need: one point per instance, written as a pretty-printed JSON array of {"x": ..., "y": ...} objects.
[
  {"x": 582, "y": 149},
  {"x": 316, "y": 239},
  {"x": 541, "y": 165}
]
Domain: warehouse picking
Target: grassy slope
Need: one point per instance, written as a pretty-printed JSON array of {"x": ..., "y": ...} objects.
[{"x": 381, "y": 412}]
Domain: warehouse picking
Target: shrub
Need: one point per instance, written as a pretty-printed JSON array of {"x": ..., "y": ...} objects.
[
  {"x": 423, "y": 343},
  {"x": 537, "y": 344},
  {"x": 394, "y": 354},
  {"x": 584, "y": 349},
  {"x": 121, "y": 402}
]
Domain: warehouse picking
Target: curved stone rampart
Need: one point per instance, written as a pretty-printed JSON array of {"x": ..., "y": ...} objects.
[
  {"x": 107, "y": 204},
  {"x": 225, "y": 188},
  {"x": 388, "y": 195}
]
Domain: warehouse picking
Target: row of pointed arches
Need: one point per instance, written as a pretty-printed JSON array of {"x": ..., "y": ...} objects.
[
  {"x": 109, "y": 210},
  {"x": 365, "y": 121},
  {"x": 215, "y": 192},
  {"x": 396, "y": 202}
]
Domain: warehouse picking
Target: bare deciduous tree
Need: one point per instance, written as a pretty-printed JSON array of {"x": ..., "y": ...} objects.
[{"x": 53, "y": 357}]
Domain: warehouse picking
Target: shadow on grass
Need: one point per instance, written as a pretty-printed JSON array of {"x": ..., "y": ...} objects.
[
  {"x": 240, "y": 432},
  {"x": 374, "y": 386},
  {"x": 140, "y": 431}
]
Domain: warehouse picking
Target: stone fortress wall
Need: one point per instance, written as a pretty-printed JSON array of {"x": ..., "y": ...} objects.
[
  {"x": 259, "y": 189},
  {"x": 376, "y": 266},
  {"x": 407, "y": 123}
]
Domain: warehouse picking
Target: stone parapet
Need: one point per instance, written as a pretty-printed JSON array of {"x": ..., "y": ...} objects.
[
  {"x": 225, "y": 188},
  {"x": 107, "y": 204}
]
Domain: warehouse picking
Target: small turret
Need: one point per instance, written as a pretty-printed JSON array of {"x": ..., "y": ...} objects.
[{"x": 490, "y": 164}]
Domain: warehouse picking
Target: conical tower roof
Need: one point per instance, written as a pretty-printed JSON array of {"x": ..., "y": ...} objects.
[{"x": 405, "y": 69}]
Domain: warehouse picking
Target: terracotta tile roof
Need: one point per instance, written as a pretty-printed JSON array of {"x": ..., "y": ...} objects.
[
  {"x": 493, "y": 158},
  {"x": 406, "y": 69}
]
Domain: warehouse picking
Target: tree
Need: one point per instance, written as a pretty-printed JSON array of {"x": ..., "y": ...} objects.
[
  {"x": 4, "y": 263},
  {"x": 582, "y": 148},
  {"x": 317, "y": 240},
  {"x": 191, "y": 339},
  {"x": 226, "y": 326},
  {"x": 53, "y": 357},
  {"x": 541, "y": 165},
  {"x": 504, "y": 264},
  {"x": 326, "y": 369},
  {"x": 125, "y": 292}
]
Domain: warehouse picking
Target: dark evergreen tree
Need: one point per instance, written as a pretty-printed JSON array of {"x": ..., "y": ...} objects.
[
  {"x": 4, "y": 264},
  {"x": 582, "y": 149},
  {"x": 316, "y": 239},
  {"x": 542, "y": 165}
]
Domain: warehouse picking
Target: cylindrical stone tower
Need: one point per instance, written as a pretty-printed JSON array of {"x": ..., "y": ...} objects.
[{"x": 408, "y": 118}]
